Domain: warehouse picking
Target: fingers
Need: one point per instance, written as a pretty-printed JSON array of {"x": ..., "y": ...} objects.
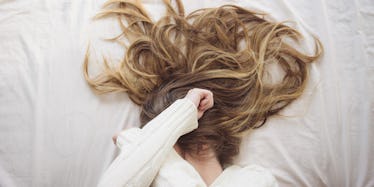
[
  {"x": 114, "y": 138},
  {"x": 206, "y": 100},
  {"x": 202, "y": 98},
  {"x": 203, "y": 104},
  {"x": 206, "y": 103}
]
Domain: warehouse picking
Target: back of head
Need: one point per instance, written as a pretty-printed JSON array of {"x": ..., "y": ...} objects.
[
  {"x": 227, "y": 50},
  {"x": 213, "y": 130}
]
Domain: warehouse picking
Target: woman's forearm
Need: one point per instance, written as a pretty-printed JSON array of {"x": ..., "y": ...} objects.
[{"x": 139, "y": 166}]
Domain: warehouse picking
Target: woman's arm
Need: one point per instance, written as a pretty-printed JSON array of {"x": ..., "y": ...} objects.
[{"x": 138, "y": 166}]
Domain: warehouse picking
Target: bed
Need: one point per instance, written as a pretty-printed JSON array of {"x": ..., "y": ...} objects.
[{"x": 54, "y": 131}]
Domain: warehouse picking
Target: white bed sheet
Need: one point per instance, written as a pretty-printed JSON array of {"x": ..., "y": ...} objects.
[{"x": 55, "y": 132}]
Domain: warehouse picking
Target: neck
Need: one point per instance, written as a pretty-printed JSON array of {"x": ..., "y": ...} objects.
[{"x": 207, "y": 166}]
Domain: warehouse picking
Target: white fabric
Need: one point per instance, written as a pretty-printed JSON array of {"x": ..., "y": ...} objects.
[
  {"x": 142, "y": 156},
  {"x": 178, "y": 172},
  {"x": 55, "y": 132},
  {"x": 147, "y": 156}
]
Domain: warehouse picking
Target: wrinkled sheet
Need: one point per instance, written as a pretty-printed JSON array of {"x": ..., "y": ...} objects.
[{"x": 54, "y": 131}]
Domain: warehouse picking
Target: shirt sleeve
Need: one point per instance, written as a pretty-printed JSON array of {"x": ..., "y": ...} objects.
[{"x": 141, "y": 158}]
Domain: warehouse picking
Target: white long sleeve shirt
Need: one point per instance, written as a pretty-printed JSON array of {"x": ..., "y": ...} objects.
[{"x": 148, "y": 158}]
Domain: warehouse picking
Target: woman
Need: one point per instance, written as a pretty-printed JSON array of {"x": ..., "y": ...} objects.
[
  {"x": 148, "y": 152},
  {"x": 229, "y": 51}
]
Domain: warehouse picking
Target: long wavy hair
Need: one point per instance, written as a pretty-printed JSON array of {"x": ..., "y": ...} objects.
[{"x": 228, "y": 50}]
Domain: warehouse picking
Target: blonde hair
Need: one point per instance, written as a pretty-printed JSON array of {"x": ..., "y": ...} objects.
[{"x": 226, "y": 50}]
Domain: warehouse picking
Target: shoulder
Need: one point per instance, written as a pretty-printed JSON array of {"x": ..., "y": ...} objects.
[{"x": 252, "y": 175}]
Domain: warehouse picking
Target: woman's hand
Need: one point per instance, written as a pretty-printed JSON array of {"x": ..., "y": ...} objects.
[{"x": 203, "y": 100}]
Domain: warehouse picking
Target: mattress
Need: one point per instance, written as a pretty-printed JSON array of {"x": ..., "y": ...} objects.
[{"x": 54, "y": 131}]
